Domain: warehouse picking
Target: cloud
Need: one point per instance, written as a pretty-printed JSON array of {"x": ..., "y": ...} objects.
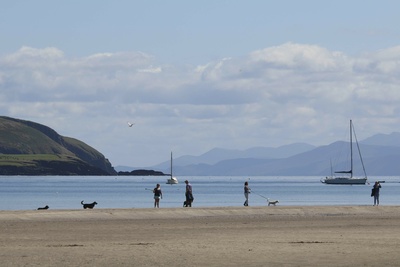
[
  {"x": 272, "y": 96},
  {"x": 300, "y": 57},
  {"x": 28, "y": 55}
]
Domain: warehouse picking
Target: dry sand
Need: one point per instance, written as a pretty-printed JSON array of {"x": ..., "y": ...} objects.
[{"x": 226, "y": 236}]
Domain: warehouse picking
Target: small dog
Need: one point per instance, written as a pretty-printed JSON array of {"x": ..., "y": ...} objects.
[
  {"x": 88, "y": 205},
  {"x": 44, "y": 208},
  {"x": 272, "y": 202}
]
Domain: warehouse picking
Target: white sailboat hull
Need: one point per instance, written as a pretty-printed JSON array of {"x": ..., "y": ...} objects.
[
  {"x": 172, "y": 180},
  {"x": 344, "y": 180}
]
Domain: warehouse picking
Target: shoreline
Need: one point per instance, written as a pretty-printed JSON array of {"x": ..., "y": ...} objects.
[
  {"x": 174, "y": 213},
  {"x": 250, "y": 209},
  {"x": 216, "y": 236}
]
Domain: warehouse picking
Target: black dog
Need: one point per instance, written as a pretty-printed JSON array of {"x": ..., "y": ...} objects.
[
  {"x": 187, "y": 203},
  {"x": 44, "y": 208},
  {"x": 88, "y": 205}
]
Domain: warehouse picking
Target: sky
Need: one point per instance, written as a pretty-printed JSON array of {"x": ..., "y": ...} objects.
[{"x": 197, "y": 75}]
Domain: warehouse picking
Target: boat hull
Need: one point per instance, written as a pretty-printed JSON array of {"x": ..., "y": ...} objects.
[
  {"x": 172, "y": 181},
  {"x": 344, "y": 180}
]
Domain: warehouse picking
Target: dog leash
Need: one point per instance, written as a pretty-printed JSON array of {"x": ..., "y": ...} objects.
[{"x": 259, "y": 195}]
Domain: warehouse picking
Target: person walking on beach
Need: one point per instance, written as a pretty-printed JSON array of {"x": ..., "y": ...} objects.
[
  {"x": 246, "y": 193},
  {"x": 157, "y": 195},
  {"x": 376, "y": 188},
  {"x": 188, "y": 194}
]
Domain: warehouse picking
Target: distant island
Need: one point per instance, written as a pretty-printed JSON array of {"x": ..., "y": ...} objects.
[{"x": 29, "y": 148}]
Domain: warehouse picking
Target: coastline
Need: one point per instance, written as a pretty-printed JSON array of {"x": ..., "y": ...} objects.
[
  {"x": 217, "y": 236},
  {"x": 196, "y": 212}
]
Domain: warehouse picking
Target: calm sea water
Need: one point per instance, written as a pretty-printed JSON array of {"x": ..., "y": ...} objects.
[{"x": 66, "y": 192}]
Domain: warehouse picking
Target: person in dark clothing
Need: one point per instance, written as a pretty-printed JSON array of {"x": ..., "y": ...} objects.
[
  {"x": 157, "y": 195},
  {"x": 246, "y": 194},
  {"x": 188, "y": 194},
  {"x": 376, "y": 188}
]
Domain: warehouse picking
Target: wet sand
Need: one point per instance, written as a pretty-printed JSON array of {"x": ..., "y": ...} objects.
[{"x": 226, "y": 236}]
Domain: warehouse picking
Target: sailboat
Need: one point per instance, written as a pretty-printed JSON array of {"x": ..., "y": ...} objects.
[
  {"x": 172, "y": 179},
  {"x": 348, "y": 179}
]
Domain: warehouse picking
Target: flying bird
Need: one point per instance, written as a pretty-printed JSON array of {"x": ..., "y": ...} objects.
[{"x": 130, "y": 124}]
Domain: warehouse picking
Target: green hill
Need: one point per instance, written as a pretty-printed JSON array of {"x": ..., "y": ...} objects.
[{"x": 29, "y": 148}]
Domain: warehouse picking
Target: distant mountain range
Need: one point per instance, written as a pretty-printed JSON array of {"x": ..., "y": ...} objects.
[
  {"x": 29, "y": 148},
  {"x": 380, "y": 153}
]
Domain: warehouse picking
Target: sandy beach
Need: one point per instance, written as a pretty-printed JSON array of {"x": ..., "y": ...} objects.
[{"x": 226, "y": 236}]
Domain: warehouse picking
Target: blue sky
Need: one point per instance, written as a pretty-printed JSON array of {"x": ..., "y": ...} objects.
[
  {"x": 197, "y": 31},
  {"x": 194, "y": 75}
]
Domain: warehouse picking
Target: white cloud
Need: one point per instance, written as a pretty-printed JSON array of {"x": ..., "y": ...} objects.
[
  {"x": 27, "y": 55},
  {"x": 151, "y": 70},
  {"x": 300, "y": 57},
  {"x": 273, "y": 96}
]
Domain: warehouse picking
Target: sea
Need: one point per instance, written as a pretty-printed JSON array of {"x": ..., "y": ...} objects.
[{"x": 67, "y": 192}]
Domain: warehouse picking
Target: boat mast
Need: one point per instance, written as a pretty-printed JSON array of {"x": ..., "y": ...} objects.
[
  {"x": 171, "y": 164},
  {"x": 351, "y": 149}
]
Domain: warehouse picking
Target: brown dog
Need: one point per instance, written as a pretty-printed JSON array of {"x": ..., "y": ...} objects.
[{"x": 88, "y": 205}]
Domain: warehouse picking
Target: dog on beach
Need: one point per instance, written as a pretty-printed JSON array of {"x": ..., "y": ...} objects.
[
  {"x": 272, "y": 202},
  {"x": 43, "y": 208},
  {"x": 88, "y": 205},
  {"x": 187, "y": 203}
]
